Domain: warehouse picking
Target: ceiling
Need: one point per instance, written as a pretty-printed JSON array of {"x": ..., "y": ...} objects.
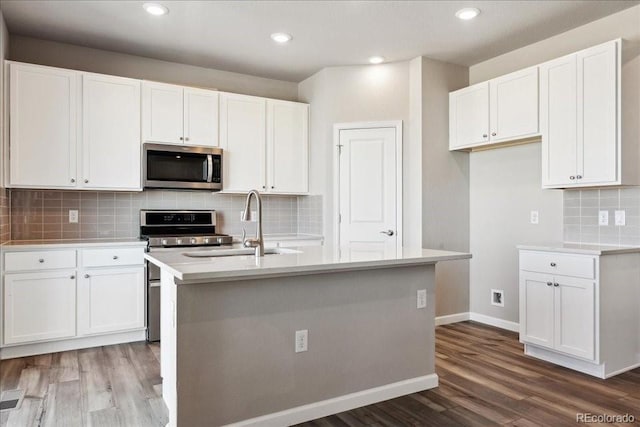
[{"x": 234, "y": 35}]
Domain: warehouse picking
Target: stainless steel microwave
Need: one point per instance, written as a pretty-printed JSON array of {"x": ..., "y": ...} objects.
[{"x": 180, "y": 166}]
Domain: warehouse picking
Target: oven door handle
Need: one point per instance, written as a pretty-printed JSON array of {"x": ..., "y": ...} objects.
[{"x": 209, "y": 167}]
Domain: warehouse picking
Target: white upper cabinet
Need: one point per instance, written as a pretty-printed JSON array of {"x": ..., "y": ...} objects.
[
  {"x": 287, "y": 147},
  {"x": 110, "y": 132},
  {"x": 498, "y": 111},
  {"x": 44, "y": 126},
  {"x": 513, "y": 106},
  {"x": 469, "y": 116},
  {"x": 179, "y": 115},
  {"x": 201, "y": 117},
  {"x": 243, "y": 137},
  {"x": 580, "y": 123},
  {"x": 162, "y": 113}
]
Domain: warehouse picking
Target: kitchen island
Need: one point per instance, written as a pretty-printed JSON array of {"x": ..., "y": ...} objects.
[{"x": 229, "y": 347}]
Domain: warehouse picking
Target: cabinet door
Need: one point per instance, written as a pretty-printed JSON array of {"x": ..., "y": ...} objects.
[
  {"x": 43, "y": 126},
  {"x": 558, "y": 121},
  {"x": 111, "y": 300},
  {"x": 162, "y": 113},
  {"x": 39, "y": 306},
  {"x": 598, "y": 139},
  {"x": 536, "y": 309},
  {"x": 287, "y": 147},
  {"x": 469, "y": 116},
  {"x": 242, "y": 136},
  {"x": 575, "y": 317},
  {"x": 201, "y": 117},
  {"x": 111, "y": 132},
  {"x": 513, "y": 104}
]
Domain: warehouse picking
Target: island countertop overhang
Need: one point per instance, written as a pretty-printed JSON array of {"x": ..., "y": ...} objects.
[{"x": 305, "y": 260}]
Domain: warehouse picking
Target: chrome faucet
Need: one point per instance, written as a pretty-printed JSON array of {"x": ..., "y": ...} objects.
[{"x": 258, "y": 242}]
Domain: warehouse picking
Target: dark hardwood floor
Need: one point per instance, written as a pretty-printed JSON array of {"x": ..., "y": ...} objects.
[{"x": 485, "y": 379}]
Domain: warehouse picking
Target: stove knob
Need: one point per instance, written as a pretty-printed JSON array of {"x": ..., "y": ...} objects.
[
  {"x": 178, "y": 241},
  {"x": 206, "y": 240},
  {"x": 193, "y": 241},
  {"x": 164, "y": 242}
]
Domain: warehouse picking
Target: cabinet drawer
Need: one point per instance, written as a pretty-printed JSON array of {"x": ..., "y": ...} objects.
[
  {"x": 561, "y": 264},
  {"x": 112, "y": 257},
  {"x": 43, "y": 260}
]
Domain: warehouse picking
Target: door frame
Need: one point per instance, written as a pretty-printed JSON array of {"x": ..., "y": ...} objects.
[{"x": 337, "y": 127}]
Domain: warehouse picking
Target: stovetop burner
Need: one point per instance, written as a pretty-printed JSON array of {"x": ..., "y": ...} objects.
[{"x": 176, "y": 228}]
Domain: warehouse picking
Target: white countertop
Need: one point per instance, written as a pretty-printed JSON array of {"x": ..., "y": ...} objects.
[
  {"x": 305, "y": 260},
  {"x": 70, "y": 243},
  {"x": 583, "y": 249}
]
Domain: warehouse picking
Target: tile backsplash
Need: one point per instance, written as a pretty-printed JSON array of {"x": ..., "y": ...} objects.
[
  {"x": 581, "y": 209},
  {"x": 39, "y": 214}
]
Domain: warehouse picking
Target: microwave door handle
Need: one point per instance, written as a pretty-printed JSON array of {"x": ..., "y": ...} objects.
[{"x": 209, "y": 168}]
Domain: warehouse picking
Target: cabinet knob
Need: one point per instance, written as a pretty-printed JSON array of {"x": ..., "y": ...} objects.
[
  {"x": 549, "y": 283},
  {"x": 578, "y": 176},
  {"x": 186, "y": 139},
  {"x": 556, "y": 284},
  {"x": 86, "y": 276},
  {"x": 273, "y": 186},
  {"x": 181, "y": 139},
  {"x": 264, "y": 187},
  {"x": 115, "y": 257},
  {"x": 553, "y": 264},
  {"x": 41, "y": 260},
  {"x": 572, "y": 177},
  {"x": 86, "y": 181},
  {"x": 73, "y": 180},
  {"x": 493, "y": 134},
  {"x": 484, "y": 135},
  {"x": 72, "y": 277}
]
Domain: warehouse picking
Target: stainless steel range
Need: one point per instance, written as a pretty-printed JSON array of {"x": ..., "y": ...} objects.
[{"x": 172, "y": 230}]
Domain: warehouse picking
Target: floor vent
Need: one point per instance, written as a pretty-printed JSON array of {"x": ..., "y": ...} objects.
[{"x": 10, "y": 399}]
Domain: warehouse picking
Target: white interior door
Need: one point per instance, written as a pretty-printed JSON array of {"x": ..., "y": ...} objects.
[{"x": 368, "y": 191}]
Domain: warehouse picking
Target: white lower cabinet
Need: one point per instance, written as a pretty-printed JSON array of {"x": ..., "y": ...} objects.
[
  {"x": 110, "y": 300},
  {"x": 39, "y": 306},
  {"x": 57, "y": 299},
  {"x": 581, "y": 311}
]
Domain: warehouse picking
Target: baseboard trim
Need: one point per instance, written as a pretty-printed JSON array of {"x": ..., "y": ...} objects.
[
  {"x": 347, "y": 402},
  {"x": 452, "y": 318},
  {"x": 494, "y": 321},
  {"x": 32, "y": 349}
]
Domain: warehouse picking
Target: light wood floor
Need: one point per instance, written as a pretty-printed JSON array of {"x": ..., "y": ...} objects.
[{"x": 485, "y": 379}]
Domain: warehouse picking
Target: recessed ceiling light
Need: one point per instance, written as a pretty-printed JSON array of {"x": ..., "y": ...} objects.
[
  {"x": 155, "y": 9},
  {"x": 281, "y": 37},
  {"x": 467, "y": 13},
  {"x": 376, "y": 60}
]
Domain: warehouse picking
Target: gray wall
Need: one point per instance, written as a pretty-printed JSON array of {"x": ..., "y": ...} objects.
[
  {"x": 44, "y": 52},
  {"x": 357, "y": 94},
  {"x": 505, "y": 183},
  {"x": 445, "y": 185}
]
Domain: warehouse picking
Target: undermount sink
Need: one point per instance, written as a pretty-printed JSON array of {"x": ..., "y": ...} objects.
[{"x": 238, "y": 252}]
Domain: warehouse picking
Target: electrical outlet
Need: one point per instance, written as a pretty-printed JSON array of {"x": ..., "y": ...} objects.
[
  {"x": 302, "y": 340},
  {"x": 603, "y": 217},
  {"x": 620, "y": 217},
  {"x": 535, "y": 217},
  {"x": 422, "y": 298},
  {"x": 252, "y": 218},
  {"x": 73, "y": 216},
  {"x": 497, "y": 297}
]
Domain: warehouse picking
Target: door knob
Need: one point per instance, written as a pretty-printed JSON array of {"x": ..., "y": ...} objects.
[{"x": 388, "y": 232}]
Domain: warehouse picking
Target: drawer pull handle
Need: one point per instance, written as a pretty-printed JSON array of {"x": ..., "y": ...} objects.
[
  {"x": 115, "y": 257},
  {"x": 41, "y": 260},
  {"x": 553, "y": 264},
  {"x": 86, "y": 276},
  {"x": 72, "y": 277},
  {"x": 556, "y": 284},
  {"x": 549, "y": 284}
]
